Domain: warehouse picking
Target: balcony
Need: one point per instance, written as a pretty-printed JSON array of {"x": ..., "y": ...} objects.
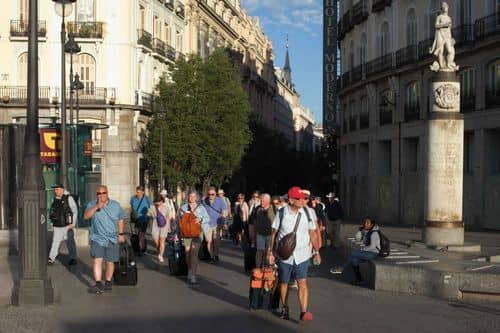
[
  {"x": 159, "y": 47},
  {"x": 345, "y": 24},
  {"x": 179, "y": 10},
  {"x": 463, "y": 35},
  {"x": 364, "y": 120},
  {"x": 346, "y": 79},
  {"x": 379, "y": 64},
  {"x": 93, "y": 96},
  {"x": 360, "y": 12},
  {"x": 19, "y": 94},
  {"x": 86, "y": 29},
  {"x": 170, "y": 53},
  {"x": 169, "y": 4},
  {"x": 424, "y": 48},
  {"x": 357, "y": 73},
  {"x": 467, "y": 102},
  {"x": 352, "y": 124},
  {"x": 492, "y": 97},
  {"x": 407, "y": 55},
  {"x": 412, "y": 112},
  {"x": 385, "y": 115},
  {"x": 19, "y": 28},
  {"x": 379, "y": 5},
  {"x": 487, "y": 26},
  {"x": 144, "y": 99},
  {"x": 144, "y": 38}
]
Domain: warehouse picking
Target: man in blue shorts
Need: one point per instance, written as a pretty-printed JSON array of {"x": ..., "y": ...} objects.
[
  {"x": 295, "y": 267},
  {"x": 106, "y": 233}
]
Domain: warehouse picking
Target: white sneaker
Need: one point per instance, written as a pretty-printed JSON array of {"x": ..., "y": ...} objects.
[
  {"x": 160, "y": 259},
  {"x": 189, "y": 275},
  {"x": 336, "y": 270},
  {"x": 193, "y": 279}
]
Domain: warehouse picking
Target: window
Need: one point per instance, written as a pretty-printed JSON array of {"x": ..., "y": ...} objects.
[
  {"x": 23, "y": 10},
  {"x": 85, "y": 11},
  {"x": 412, "y": 95},
  {"x": 85, "y": 67},
  {"x": 469, "y": 152},
  {"x": 494, "y": 6},
  {"x": 178, "y": 41},
  {"x": 156, "y": 27},
  {"x": 142, "y": 18},
  {"x": 493, "y": 151},
  {"x": 362, "y": 50},
  {"x": 494, "y": 76},
  {"x": 385, "y": 158},
  {"x": 411, "y": 28},
  {"x": 465, "y": 13},
  {"x": 384, "y": 47},
  {"x": 351, "y": 55},
  {"x": 203, "y": 44},
  {"x": 22, "y": 69},
  {"x": 166, "y": 34},
  {"x": 467, "y": 82},
  {"x": 410, "y": 152}
]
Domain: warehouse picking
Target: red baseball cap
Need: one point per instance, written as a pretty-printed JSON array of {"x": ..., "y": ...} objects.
[{"x": 295, "y": 193}]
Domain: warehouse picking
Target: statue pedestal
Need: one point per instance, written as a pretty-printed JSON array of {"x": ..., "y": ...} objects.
[{"x": 444, "y": 144}]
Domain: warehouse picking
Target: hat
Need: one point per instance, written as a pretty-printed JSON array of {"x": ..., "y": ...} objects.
[
  {"x": 163, "y": 192},
  {"x": 221, "y": 191},
  {"x": 295, "y": 193},
  {"x": 330, "y": 195},
  {"x": 307, "y": 193},
  {"x": 58, "y": 185}
]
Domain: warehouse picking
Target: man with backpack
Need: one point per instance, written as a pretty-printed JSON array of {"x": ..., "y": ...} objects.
[
  {"x": 374, "y": 244},
  {"x": 64, "y": 215},
  {"x": 139, "y": 205},
  {"x": 334, "y": 214},
  {"x": 260, "y": 226}
]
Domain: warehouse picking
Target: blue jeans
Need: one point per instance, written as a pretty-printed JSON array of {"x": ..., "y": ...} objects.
[{"x": 358, "y": 256}]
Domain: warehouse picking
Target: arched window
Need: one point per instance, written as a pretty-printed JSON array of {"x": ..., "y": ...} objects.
[
  {"x": 166, "y": 34},
  {"x": 385, "y": 44},
  {"x": 22, "y": 69},
  {"x": 412, "y": 99},
  {"x": 84, "y": 65},
  {"x": 23, "y": 10},
  {"x": 85, "y": 11},
  {"x": 411, "y": 28},
  {"x": 362, "y": 50}
]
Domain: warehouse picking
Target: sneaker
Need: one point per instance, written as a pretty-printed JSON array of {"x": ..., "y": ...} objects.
[
  {"x": 50, "y": 262},
  {"x": 306, "y": 316},
  {"x": 72, "y": 262},
  {"x": 160, "y": 259},
  {"x": 285, "y": 313},
  {"x": 336, "y": 270},
  {"x": 293, "y": 285},
  {"x": 108, "y": 286},
  {"x": 97, "y": 288},
  {"x": 216, "y": 258},
  {"x": 193, "y": 280}
]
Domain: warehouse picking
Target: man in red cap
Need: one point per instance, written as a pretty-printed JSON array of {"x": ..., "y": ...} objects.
[{"x": 295, "y": 267}]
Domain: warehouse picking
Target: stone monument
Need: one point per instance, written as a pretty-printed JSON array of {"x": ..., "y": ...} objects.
[{"x": 444, "y": 142}]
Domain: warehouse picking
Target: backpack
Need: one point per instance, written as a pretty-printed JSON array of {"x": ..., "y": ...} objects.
[
  {"x": 385, "y": 245},
  {"x": 60, "y": 211}
]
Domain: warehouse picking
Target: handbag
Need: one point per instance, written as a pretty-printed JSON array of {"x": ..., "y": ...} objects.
[
  {"x": 188, "y": 225},
  {"x": 161, "y": 220},
  {"x": 287, "y": 244},
  {"x": 133, "y": 213}
]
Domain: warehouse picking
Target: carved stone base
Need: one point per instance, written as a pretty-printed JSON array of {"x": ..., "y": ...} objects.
[
  {"x": 33, "y": 292},
  {"x": 443, "y": 236}
]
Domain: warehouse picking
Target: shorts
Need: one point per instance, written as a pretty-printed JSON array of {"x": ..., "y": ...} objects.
[
  {"x": 188, "y": 241},
  {"x": 263, "y": 242},
  {"x": 110, "y": 253},
  {"x": 287, "y": 272},
  {"x": 210, "y": 234},
  {"x": 159, "y": 232}
]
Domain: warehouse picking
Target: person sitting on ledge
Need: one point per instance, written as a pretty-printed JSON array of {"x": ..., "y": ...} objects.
[{"x": 368, "y": 234}]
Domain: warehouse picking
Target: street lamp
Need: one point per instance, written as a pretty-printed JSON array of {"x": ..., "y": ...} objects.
[
  {"x": 33, "y": 286},
  {"x": 161, "y": 113},
  {"x": 76, "y": 85},
  {"x": 71, "y": 47},
  {"x": 63, "y": 8}
]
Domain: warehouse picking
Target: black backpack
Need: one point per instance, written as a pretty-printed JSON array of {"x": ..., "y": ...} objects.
[{"x": 385, "y": 245}]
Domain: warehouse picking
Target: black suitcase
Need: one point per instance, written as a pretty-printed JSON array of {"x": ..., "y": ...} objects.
[
  {"x": 176, "y": 258},
  {"x": 261, "y": 298},
  {"x": 125, "y": 273}
]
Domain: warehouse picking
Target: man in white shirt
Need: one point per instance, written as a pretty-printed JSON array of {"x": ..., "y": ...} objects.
[{"x": 296, "y": 266}]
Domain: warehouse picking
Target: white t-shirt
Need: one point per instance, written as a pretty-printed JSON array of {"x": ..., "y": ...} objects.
[{"x": 302, "y": 250}]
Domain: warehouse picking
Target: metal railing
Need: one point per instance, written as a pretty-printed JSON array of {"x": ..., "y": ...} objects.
[
  {"x": 357, "y": 73},
  {"x": 144, "y": 38},
  {"x": 379, "y": 64},
  {"x": 19, "y": 94},
  {"x": 379, "y": 5},
  {"x": 424, "y": 47},
  {"x": 412, "y": 112},
  {"x": 487, "y": 26},
  {"x": 359, "y": 12},
  {"x": 144, "y": 99},
  {"x": 467, "y": 102},
  {"x": 463, "y": 35},
  {"x": 346, "y": 79},
  {"x": 19, "y": 28},
  {"x": 170, "y": 52},
  {"x": 86, "y": 29},
  {"x": 407, "y": 55},
  {"x": 159, "y": 47}
]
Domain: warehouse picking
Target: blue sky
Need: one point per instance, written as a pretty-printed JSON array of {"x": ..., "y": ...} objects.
[{"x": 302, "y": 20}]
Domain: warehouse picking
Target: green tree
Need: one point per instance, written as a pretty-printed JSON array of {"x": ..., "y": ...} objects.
[{"x": 203, "y": 114}]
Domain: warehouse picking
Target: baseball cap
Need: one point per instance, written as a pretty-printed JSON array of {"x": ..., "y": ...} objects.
[
  {"x": 307, "y": 193},
  {"x": 295, "y": 192},
  {"x": 163, "y": 192},
  {"x": 221, "y": 191},
  {"x": 330, "y": 195},
  {"x": 58, "y": 185}
]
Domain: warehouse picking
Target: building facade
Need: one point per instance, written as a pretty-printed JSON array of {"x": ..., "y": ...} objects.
[{"x": 384, "y": 100}]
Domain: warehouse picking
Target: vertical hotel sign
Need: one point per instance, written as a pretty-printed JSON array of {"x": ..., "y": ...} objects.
[{"x": 330, "y": 14}]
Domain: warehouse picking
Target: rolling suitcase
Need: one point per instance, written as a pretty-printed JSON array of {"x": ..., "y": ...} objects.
[
  {"x": 176, "y": 258},
  {"x": 125, "y": 273},
  {"x": 264, "y": 291}
]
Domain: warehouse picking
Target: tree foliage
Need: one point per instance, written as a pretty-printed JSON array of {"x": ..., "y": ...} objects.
[{"x": 203, "y": 114}]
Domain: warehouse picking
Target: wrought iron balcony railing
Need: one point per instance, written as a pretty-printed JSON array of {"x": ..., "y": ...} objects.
[
  {"x": 170, "y": 52},
  {"x": 19, "y": 28},
  {"x": 407, "y": 55},
  {"x": 144, "y": 38},
  {"x": 86, "y": 29},
  {"x": 357, "y": 73},
  {"x": 412, "y": 112},
  {"x": 144, "y": 99},
  {"x": 463, "y": 35},
  {"x": 159, "y": 47},
  {"x": 487, "y": 26},
  {"x": 379, "y": 64},
  {"x": 19, "y": 94},
  {"x": 379, "y": 5},
  {"x": 424, "y": 47},
  {"x": 346, "y": 79},
  {"x": 467, "y": 102}
]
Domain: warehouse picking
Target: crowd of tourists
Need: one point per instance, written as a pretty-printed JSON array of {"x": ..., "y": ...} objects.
[{"x": 285, "y": 232}]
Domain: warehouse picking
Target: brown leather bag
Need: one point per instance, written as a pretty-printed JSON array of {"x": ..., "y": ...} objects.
[
  {"x": 287, "y": 244},
  {"x": 188, "y": 226}
]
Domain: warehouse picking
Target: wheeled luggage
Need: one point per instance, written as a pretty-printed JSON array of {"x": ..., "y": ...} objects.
[
  {"x": 264, "y": 291},
  {"x": 176, "y": 258},
  {"x": 125, "y": 273}
]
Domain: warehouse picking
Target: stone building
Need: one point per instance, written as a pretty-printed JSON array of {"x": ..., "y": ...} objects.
[
  {"x": 125, "y": 46},
  {"x": 384, "y": 100}
]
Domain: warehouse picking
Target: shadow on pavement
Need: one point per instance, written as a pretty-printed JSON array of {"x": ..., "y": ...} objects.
[{"x": 81, "y": 271}]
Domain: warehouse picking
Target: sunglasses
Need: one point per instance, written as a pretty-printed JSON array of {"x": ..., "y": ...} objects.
[
  {"x": 99, "y": 193},
  {"x": 211, "y": 194}
]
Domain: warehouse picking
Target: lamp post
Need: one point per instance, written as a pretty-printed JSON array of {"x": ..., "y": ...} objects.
[
  {"x": 63, "y": 8},
  {"x": 33, "y": 286},
  {"x": 162, "y": 113},
  {"x": 76, "y": 85}
]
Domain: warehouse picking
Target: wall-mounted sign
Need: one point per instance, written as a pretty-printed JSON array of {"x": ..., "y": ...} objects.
[
  {"x": 50, "y": 145},
  {"x": 330, "y": 14}
]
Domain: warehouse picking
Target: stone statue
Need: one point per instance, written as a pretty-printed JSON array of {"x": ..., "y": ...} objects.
[{"x": 444, "y": 45}]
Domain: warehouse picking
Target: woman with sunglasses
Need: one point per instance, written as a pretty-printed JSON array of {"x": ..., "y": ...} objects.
[{"x": 161, "y": 224}]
